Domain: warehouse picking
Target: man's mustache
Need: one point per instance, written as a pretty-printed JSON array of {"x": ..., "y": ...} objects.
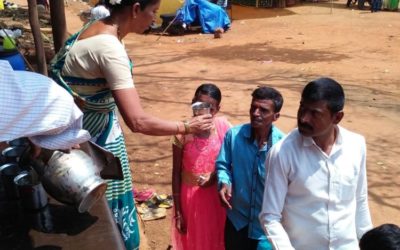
[{"x": 305, "y": 126}]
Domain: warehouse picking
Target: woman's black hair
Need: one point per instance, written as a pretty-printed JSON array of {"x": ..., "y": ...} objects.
[
  {"x": 208, "y": 89},
  {"x": 325, "y": 89},
  {"x": 123, "y": 3}
]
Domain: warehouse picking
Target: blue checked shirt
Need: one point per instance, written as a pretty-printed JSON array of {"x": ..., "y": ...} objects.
[{"x": 241, "y": 164}]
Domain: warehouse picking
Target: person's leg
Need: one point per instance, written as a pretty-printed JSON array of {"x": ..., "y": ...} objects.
[
  {"x": 373, "y": 3},
  {"x": 235, "y": 240},
  {"x": 253, "y": 244},
  {"x": 239, "y": 240},
  {"x": 376, "y": 5},
  {"x": 379, "y": 5}
]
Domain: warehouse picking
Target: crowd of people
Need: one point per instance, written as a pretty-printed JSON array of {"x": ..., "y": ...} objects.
[{"x": 248, "y": 186}]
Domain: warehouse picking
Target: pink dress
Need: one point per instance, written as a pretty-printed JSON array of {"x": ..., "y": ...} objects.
[{"x": 201, "y": 207}]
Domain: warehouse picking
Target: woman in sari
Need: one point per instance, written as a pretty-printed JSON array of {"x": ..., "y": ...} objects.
[{"x": 94, "y": 67}]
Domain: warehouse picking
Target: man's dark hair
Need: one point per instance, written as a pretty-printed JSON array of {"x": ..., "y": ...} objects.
[
  {"x": 384, "y": 237},
  {"x": 325, "y": 89},
  {"x": 267, "y": 93}
]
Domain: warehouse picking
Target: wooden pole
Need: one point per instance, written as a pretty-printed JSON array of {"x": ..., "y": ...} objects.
[
  {"x": 37, "y": 37},
  {"x": 58, "y": 23}
]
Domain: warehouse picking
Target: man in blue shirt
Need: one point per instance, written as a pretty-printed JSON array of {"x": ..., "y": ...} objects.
[{"x": 241, "y": 170}]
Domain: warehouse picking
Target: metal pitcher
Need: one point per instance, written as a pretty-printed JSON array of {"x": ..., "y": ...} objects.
[
  {"x": 75, "y": 177},
  {"x": 72, "y": 178}
]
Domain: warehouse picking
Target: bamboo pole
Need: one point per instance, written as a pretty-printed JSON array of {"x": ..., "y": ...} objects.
[
  {"x": 58, "y": 23},
  {"x": 37, "y": 37}
]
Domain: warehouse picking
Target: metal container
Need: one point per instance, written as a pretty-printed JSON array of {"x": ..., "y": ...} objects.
[
  {"x": 12, "y": 154},
  {"x": 42, "y": 220},
  {"x": 201, "y": 108},
  {"x": 8, "y": 172},
  {"x": 32, "y": 194},
  {"x": 73, "y": 178},
  {"x": 19, "y": 142}
]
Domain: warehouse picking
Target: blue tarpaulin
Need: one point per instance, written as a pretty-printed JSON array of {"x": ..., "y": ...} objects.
[{"x": 210, "y": 16}]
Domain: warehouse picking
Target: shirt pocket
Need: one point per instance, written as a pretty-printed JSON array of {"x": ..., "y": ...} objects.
[{"x": 347, "y": 186}]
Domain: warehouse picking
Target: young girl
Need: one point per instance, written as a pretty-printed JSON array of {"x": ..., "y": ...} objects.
[{"x": 199, "y": 218}]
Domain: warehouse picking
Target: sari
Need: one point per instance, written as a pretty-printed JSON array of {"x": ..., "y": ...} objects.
[{"x": 101, "y": 120}]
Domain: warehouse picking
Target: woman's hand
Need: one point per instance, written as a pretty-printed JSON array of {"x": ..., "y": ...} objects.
[
  {"x": 201, "y": 123},
  {"x": 67, "y": 151},
  {"x": 207, "y": 180},
  {"x": 180, "y": 224}
]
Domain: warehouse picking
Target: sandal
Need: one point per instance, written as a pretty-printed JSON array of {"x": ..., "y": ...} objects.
[
  {"x": 141, "y": 196},
  {"x": 154, "y": 214},
  {"x": 161, "y": 201},
  {"x": 142, "y": 208},
  {"x": 165, "y": 201}
]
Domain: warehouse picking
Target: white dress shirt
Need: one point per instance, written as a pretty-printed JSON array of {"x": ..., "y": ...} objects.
[
  {"x": 34, "y": 106},
  {"x": 315, "y": 201}
]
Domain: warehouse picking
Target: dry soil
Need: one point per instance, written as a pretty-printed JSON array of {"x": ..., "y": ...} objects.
[{"x": 283, "y": 48}]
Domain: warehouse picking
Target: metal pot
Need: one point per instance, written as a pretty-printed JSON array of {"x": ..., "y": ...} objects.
[
  {"x": 72, "y": 178},
  {"x": 7, "y": 174},
  {"x": 75, "y": 178},
  {"x": 19, "y": 142},
  {"x": 32, "y": 194},
  {"x": 12, "y": 154}
]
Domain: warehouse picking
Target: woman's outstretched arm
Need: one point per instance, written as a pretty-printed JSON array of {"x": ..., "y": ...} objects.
[{"x": 128, "y": 102}]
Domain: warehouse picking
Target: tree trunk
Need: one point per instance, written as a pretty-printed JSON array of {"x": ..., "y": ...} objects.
[
  {"x": 37, "y": 37},
  {"x": 58, "y": 23}
]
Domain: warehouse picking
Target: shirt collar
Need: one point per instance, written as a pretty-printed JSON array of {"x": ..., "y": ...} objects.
[
  {"x": 339, "y": 135},
  {"x": 247, "y": 135},
  {"x": 247, "y": 130},
  {"x": 308, "y": 141}
]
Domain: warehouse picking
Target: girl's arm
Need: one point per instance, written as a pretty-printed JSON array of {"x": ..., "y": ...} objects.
[{"x": 176, "y": 187}]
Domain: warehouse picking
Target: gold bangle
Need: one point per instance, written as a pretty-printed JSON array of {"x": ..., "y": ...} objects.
[{"x": 187, "y": 127}]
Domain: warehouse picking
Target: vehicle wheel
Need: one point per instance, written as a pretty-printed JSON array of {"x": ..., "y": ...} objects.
[{"x": 176, "y": 30}]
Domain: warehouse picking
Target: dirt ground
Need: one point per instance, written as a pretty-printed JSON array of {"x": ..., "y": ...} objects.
[{"x": 283, "y": 48}]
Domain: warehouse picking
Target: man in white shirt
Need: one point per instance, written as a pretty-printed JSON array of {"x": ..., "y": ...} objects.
[
  {"x": 315, "y": 193},
  {"x": 34, "y": 106}
]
